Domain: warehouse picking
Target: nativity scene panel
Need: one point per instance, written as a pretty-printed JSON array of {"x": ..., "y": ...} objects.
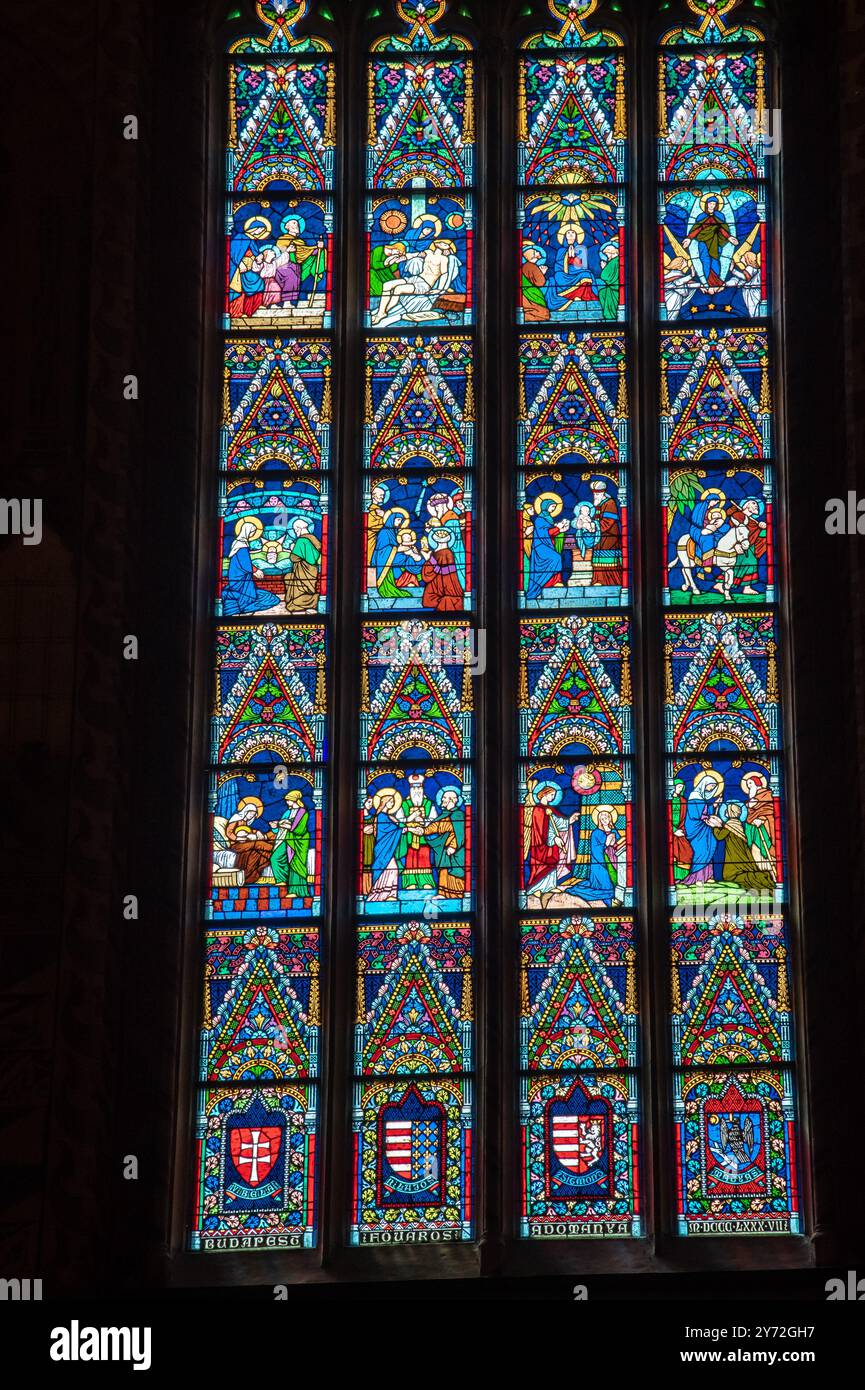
[
  {"x": 274, "y": 547},
  {"x": 418, "y": 542}
]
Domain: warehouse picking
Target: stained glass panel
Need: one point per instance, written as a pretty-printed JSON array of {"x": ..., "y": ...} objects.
[
  {"x": 573, "y": 539},
  {"x": 412, "y": 1161},
  {"x": 577, "y": 847},
  {"x": 421, "y": 124},
  {"x": 261, "y": 1003},
  {"x": 731, "y": 992},
  {"x": 273, "y": 542},
  {"x": 578, "y": 1002},
  {"x": 731, "y": 1002},
  {"x": 701, "y": 505},
  {"x": 575, "y": 686},
  {"x": 713, "y": 253},
  {"x": 276, "y": 405},
  {"x": 580, "y": 1161},
  {"x": 572, "y": 119},
  {"x": 708, "y": 106},
  {"x": 578, "y": 993},
  {"x": 572, "y": 253},
  {"x": 419, "y": 260},
  {"x": 573, "y": 406},
  {"x": 404, "y": 516},
  {"x": 417, "y": 692},
  {"x": 721, "y": 677},
  {"x": 279, "y": 263},
  {"x": 737, "y": 1153},
  {"x": 414, "y": 998},
  {"x": 256, "y": 1185},
  {"x": 255, "y": 1179},
  {"x": 716, "y": 401},
  {"x": 415, "y": 837},
  {"x": 271, "y": 695},
  {"x": 726, "y": 842},
  {"x": 280, "y": 127},
  {"x": 266, "y": 826},
  {"x": 419, "y": 407}
]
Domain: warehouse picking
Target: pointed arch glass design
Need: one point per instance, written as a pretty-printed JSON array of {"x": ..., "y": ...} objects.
[
  {"x": 415, "y": 833},
  {"x": 414, "y": 1036},
  {"x": 579, "y": 1096},
  {"x": 734, "y": 1093},
  {"x": 258, "y": 1065}
]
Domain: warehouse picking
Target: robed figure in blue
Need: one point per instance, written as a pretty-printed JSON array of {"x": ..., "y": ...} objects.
[
  {"x": 241, "y": 594},
  {"x": 544, "y": 554},
  {"x": 702, "y": 803}
]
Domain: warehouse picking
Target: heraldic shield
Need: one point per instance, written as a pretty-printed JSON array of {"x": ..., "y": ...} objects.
[
  {"x": 579, "y": 1145},
  {"x": 734, "y": 1145},
  {"x": 411, "y": 1153},
  {"x": 254, "y": 1160}
]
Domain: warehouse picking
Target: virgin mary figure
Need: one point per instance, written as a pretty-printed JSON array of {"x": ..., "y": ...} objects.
[
  {"x": 544, "y": 543},
  {"x": 388, "y": 825},
  {"x": 241, "y": 594},
  {"x": 703, "y": 802}
]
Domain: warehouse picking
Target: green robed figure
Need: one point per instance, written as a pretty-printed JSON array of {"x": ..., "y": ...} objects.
[{"x": 288, "y": 861}]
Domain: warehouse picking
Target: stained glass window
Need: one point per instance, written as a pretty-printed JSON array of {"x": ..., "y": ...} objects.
[
  {"x": 735, "y": 1106},
  {"x": 349, "y": 949},
  {"x": 579, "y": 1040},
  {"x": 258, "y": 1104},
  {"x": 413, "y": 1169}
]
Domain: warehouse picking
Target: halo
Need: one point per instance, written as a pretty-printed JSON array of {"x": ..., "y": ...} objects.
[
  {"x": 578, "y": 228},
  {"x": 596, "y": 811},
  {"x": 256, "y": 523},
  {"x": 719, "y": 199},
  {"x": 293, "y": 217},
  {"x": 390, "y": 793},
  {"x": 442, "y": 792},
  {"x": 251, "y": 801},
  {"x": 755, "y": 775},
  {"x": 258, "y": 227},
  {"x": 423, "y": 217},
  {"x": 537, "y": 787},
  {"x": 553, "y": 497}
]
